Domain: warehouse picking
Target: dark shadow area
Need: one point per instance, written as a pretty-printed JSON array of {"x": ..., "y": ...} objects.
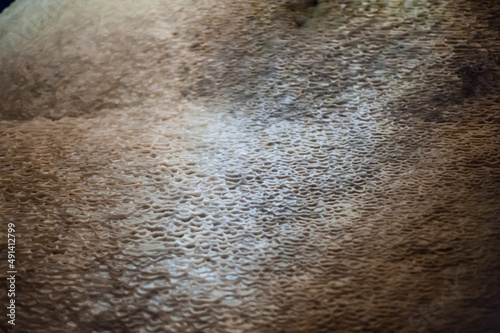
[{"x": 5, "y": 4}]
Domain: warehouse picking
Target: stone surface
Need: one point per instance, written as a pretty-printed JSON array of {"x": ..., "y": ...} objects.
[{"x": 252, "y": 166}]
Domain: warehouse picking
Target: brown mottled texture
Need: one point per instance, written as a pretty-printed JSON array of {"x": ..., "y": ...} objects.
[{"x": 252, "y": 166}]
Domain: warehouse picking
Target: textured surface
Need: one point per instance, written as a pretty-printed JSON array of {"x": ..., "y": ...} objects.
[{"x": 252, "y": 166}]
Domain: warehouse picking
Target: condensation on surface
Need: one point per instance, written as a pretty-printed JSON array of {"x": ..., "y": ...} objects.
[{"x": 252, "y": 166}]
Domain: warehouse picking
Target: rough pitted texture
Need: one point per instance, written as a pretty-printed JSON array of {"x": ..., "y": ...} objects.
[{"x": 252, "y": 166}]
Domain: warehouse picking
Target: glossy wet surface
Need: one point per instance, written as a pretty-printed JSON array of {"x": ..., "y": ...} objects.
[{"x": 250, "y": 166}]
